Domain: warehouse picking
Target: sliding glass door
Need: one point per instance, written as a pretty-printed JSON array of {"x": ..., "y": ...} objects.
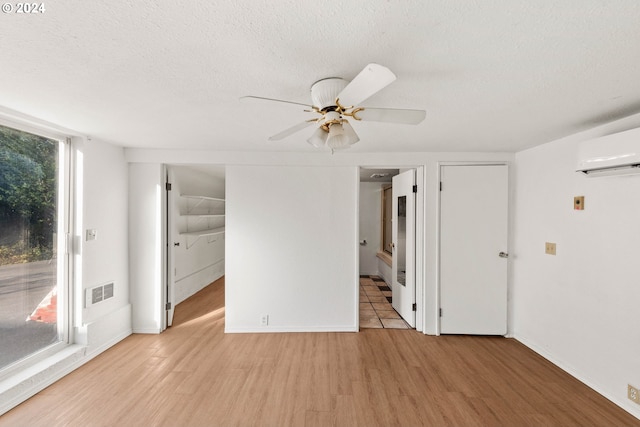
[{"x": 32, "y": 251}]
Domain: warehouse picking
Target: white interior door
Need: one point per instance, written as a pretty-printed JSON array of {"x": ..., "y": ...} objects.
[
  {"x": 473, "y": 249},
  {"x": 403, "y": 264},
  {"x": 170, "y": 261}
]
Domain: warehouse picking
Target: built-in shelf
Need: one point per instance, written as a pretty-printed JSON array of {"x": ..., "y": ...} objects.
[
  {"x": 204, "y": 214},
  {"x": 187, "y": 196},
  {"x": 209, "y": 203},
  {"x": 203, "y": 233}
]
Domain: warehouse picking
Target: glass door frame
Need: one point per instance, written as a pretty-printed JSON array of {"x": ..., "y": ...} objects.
[{"x": 65, "y": 209}]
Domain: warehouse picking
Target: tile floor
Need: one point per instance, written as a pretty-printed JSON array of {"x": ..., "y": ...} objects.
[{"x": 375, "y": 305}]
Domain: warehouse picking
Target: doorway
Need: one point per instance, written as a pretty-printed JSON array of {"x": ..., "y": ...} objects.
[
  {"x": 388, "y": 269},
  {"x": 195, "y": 219}
]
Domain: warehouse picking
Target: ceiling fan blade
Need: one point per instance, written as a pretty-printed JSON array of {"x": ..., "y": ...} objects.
[
  {"x": 370, "y": 80},
  {"x": 260, "y": 98},
  {"x": 391, "y": 115},
  {"x": 291, "y": 130}
]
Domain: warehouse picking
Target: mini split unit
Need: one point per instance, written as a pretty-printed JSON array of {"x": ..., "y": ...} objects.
[{"x": 615, "y": 154}]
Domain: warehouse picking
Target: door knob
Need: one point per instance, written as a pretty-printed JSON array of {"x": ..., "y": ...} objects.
[{"x": 503, "y": 255}]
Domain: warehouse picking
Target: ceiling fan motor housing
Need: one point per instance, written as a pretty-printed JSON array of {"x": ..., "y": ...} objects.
[{"x": 324, "y": 92}]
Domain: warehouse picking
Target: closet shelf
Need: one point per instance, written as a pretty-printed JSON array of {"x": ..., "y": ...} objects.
[
  {"x": 201, "y": 212},
  {"x": 203, "y": 198},
  {"x": 202, "y": 205},
  {"x": 193, "y": 236},
  {"x": 202, "y": 233}
]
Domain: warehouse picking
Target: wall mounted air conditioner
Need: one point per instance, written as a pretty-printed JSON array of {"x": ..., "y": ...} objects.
[{"x": 615, "y": 154}]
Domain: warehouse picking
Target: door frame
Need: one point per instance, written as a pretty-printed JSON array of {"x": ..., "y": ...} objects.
[
  {"x": 169, "y": 258},
  {"x": 439, "y": 165},
  {"x": 164, "y": 250},
  {"x": 419, "y": 239}
]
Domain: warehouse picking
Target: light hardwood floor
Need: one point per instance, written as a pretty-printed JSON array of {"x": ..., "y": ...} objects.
[{"x": 195, "y": 375}]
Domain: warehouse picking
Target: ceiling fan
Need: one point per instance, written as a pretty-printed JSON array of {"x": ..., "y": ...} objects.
[{"x": 335, "y": 99}]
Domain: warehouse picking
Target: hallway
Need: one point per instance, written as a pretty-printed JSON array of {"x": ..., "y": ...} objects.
[{"x": 375, "y": 305}]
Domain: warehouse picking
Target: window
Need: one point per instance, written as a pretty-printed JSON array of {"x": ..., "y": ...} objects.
[{"x": 33, "y": 219}]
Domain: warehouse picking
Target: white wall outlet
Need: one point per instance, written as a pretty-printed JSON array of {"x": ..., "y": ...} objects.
[
  {"x": 633, "y": 394},
  {"x": 264, "y": 320}
]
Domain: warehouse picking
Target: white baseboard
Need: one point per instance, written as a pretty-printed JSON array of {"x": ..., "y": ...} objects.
[
  {"x": 269, "y": 329},
  {"x": 152, "y": 331}
]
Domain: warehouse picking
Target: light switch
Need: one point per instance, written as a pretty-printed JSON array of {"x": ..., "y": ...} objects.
[{"x": 92, "y": 234}]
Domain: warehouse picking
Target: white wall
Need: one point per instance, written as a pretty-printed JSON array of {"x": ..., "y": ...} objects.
[
  {"x": 385, "y": 272},
  {"x": 197, "y": 261},
  {"x": 370, "y": 220},
  {"x": 146, "y": 188},
  {"x": 105, "y": 207},
  {"x": 579, "y": 308},
  {"x": 291, "y": 248},
  {"x": 428, "y": 195}
]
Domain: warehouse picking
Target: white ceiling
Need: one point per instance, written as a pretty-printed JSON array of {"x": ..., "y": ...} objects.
[
  {"x": 374, "y": 174},
  {"x": 493, "y": 75}
]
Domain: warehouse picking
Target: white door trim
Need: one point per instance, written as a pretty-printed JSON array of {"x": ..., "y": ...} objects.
[{"x": 420, "y": 228}]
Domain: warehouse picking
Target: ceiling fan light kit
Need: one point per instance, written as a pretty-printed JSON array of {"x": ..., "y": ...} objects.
[
  {"x": 335, "y": 99},
  {"x": 318, "y": 138},
  {"x": 343, "y": 136},
  {"x": 334, "y": 132}
]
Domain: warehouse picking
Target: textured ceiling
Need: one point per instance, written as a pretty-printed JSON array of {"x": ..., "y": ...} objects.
[{"x": 492, "y": 75}]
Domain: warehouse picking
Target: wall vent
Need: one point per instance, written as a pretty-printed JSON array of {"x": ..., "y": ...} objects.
[
  {"x": 98, "y": 294},
  {"x": 108, "y": 291}
]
